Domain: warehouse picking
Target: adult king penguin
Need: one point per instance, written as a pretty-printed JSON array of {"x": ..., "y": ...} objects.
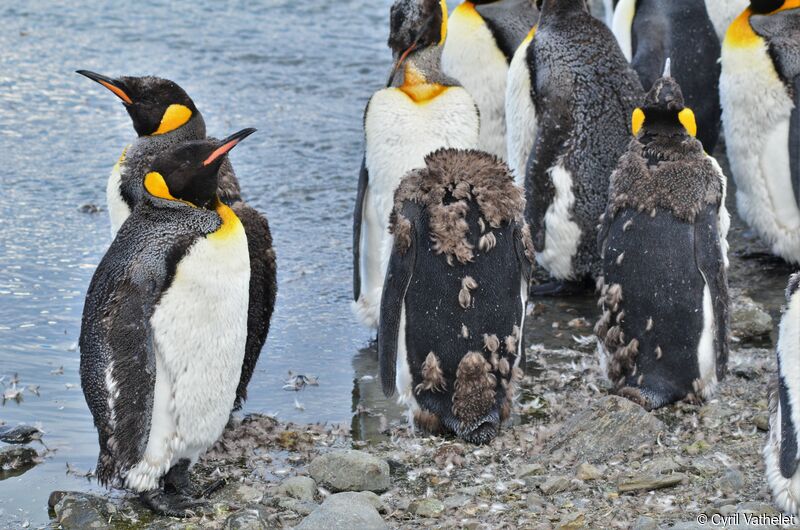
[
  {"x": 650, "y": 31},
  {"x": 163, "y": 116},
  {"x": 583, "y": 92},
  {"x": 780, "y": 452},
  {"x": 520, "y": 112},
  {"x": 664, "y": 330},
  {"x": 481, "y": 40},
  {"x": 453, "y": 308},
  {"x": 165, "y": 327},
  {"x": 760, "y": 92},
  {"x": 419, "y": 112}
]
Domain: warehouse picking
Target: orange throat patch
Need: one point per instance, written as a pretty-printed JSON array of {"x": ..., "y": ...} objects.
[{"x": 416, "y": 87}]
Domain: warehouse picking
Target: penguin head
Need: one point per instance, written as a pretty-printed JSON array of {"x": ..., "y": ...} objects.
[
  {"x": 156, "y": 106},
  {"x": 664, "y": 111},
  {"x": 189, "y": 172},
  {"x": 416, "y": 25},
  {"x": 763, "y": 7}
]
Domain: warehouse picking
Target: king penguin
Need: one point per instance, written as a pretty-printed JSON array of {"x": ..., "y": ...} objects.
[
  {"x": 453, "y": 308},
  {"x": 760, "y": 92},
  {"x": 664, "y": 292},
  {"x": 649, "y": 31},
  {"x": 520, "y": 112},
  {"x": 419, "y": 112},
  {"x": 481, "y": 40},
  {"x": 780, "y": 452},
  {"x": 164, "y": 328},
  {"x": 723, "y": 12},
  {"x": 583, "y": 92},
  {"x": 163, "y": 116}
]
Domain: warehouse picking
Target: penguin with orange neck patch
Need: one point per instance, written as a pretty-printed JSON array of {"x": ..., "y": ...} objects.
[
  {"x": 164, "y": 116},
  {"x": 664, "y": 292},
  {"x": 420, "y": 111},
  {"x": 760, "y": 95},
  {"x": 164, "y": 329},
  {"x": 481, "y": 40}
]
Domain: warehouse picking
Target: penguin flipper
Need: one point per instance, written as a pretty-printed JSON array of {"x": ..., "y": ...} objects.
[
  {"x": 228, "y": 185},
  {"x": 263, "y": 289},
  {"x": 358, "y": 214},
  {"x": 794, "y": 142},
  {"x": 789, "y": 456},
  {"x": 709, "y": 260},
  {"x": 398, "y": 277}
]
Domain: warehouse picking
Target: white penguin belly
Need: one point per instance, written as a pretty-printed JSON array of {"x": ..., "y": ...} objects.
[
  {"x": 399, "y": 133},
  {"x": 755, "y": 112},
  {"x": 562, "y": 234},
  {"x": 786, "y": 491},
  {"x": 118, "y": 210},
  {"x": 622, "y": 24},
  {"x": 520, "y": 114},
  {"x": 471, "y": 56},
  {"x": 200, "y": 331}
]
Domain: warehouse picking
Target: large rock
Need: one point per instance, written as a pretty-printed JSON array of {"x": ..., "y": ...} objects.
[
  {"x": 349, "y": 470},
  {"x": 17, "y": 458},
  {"x": 344, "y": 511},
  {"x": 76, "y": 511},
  {"x": 609, "y": 426},
  {"x": 749, "y": 320}
]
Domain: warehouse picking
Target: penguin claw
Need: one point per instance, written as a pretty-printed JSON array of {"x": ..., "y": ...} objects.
[{"x": 171, "y": 505}]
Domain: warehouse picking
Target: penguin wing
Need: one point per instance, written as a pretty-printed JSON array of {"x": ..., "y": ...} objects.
[
  {"x": 789, "y": 456},
  {"x": 358, "y": 213},
  {"x": 228, "y": 184},
  {"x": 711, "y": 264},
  {"x": 263, "y": 289},
  {"x": 509, "y": 21},
  {"x": 398, "y": 277}
]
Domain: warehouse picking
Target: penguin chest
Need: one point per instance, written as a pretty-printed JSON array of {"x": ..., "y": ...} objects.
[
  {"x": 400, "y": 132},
  {"x": 200, "y": 331},
  {"x": 756, "y": 113},
  {"x": 118, "y": 209},
  {"x": 471, "y": 56}
]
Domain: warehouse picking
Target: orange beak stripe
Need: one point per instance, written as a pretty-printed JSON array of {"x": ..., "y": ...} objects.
[
  {"x": 118, "y": 91},
  {"x": 220, "y": 151}
]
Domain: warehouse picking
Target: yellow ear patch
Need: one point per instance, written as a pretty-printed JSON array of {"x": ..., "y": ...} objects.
[
  {"x": 174, "y": 117},
  {"x": 637, "y": 121},
  {"x": 686, "y": 117},
  {"x": 443, "y": 4},
  {"x": 156, "y": 186}
]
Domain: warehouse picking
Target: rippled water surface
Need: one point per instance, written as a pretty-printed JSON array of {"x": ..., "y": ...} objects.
[{"x": 300, "y": 72}]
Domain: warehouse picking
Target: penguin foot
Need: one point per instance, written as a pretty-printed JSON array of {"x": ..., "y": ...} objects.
[
  {"x": 179, "y": 481},
  {"x": 560, "y": 288},
  {"x": 171, "y": 505}
]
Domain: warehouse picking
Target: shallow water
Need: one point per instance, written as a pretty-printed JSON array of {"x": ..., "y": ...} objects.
[{"x": 301, "y": 74}]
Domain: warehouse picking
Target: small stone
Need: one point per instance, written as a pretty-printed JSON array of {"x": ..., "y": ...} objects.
[
  {"x": 731, "y": 482},
  {"x": 756, "y": 508},
  {"x": 609, "y": 426},
  {"x": 535, "y": 503},
  {"x": 749, "y": 320},
  {"x": 530, "y": 470},
  {"x": 427, "y": 507},
  {"x": 17, "y": 458},
  {"x": 588, "y": 472},
  {"x": 555, "y": 484},
  {"x": 21, "y": 434},
  {"x": 294, "y": 505},
  {"x": 649, "y": 483},
  {"x": 661, "y": 466},
  {"x": 644, "y": 523},
  {"x": 761, "y": 422},
  {"x": 247, "y": 519},
  {"x": 344, "y": 511},
  {"x": 572, "y": 521},
  {"x": 700, "y": 446},
  {"x": 727, "y": 509},
  {"x": 76, "y": 511},
  {"x": 456, "y": 501},
  {"x": 301, "y": 488},
  {"x": 349, "y": 470},
  {"x": 248, "y": 494}
]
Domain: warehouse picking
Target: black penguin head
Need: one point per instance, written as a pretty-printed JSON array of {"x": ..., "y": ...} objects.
[
  {"x": 416, "y": 25},
  {"x": 663, "y": 110},
  {"x": 189, "y": 172},
  {"x": 762, "y": 7},
  {"x": 156, "y": 106}
]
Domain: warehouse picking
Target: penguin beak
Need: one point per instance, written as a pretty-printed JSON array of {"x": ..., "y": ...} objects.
[
  {"x": 399, "y": 63},
  {"x": 227, "y": 144},
  {"x": 114, "y": 85}
]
